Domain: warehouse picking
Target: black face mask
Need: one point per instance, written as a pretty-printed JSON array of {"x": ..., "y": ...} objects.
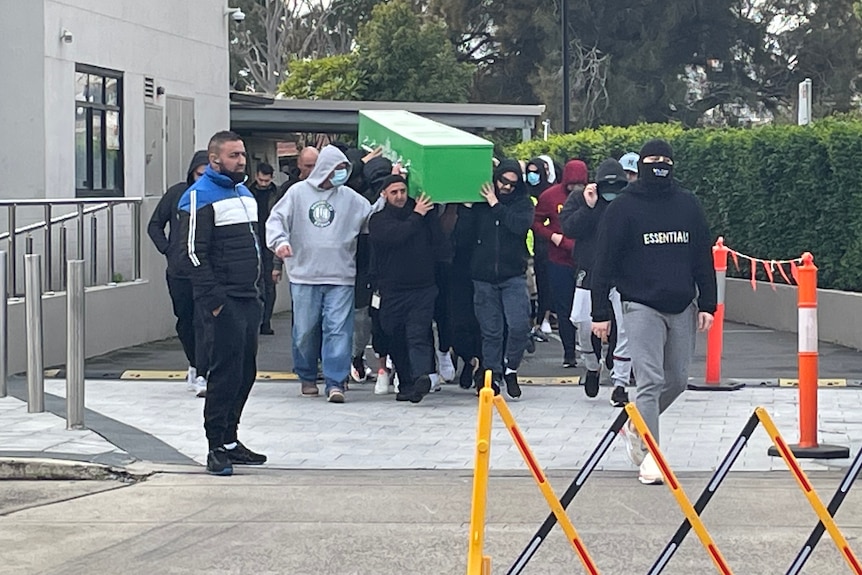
[{"x": 658, "y": 175}]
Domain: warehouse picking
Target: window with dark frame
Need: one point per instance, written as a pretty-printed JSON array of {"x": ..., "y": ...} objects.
[{"x": 98, "y": 132}]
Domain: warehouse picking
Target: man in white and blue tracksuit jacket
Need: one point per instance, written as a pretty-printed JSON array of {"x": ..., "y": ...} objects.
[{"x": 218, "y": 218}]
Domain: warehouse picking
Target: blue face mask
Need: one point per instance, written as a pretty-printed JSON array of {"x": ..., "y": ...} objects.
[
  {"x": 339, "y": 177},
  {"x": 609, "y": 196},
  {"x": 533, "y": 178}
]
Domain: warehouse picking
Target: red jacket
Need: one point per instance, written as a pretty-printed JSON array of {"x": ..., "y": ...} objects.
[{"x": 547, "y": 218}]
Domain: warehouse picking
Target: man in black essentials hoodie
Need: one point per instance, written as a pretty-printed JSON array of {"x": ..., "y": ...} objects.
[
  {"x": 498, "y": 229},
  {"x": 655, "y": 245},
  {"x": 406, "y": 238},
  {"x": 192, "y": 325}
]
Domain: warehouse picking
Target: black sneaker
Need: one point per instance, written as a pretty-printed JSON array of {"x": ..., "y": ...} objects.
[
  {"x": 242, "y": 455},
  {"x": 421, "y": 388},
  {"x": 569, "y": 362},
  {"x": 494, "y": 385},
  {"x": 465, "y": 380},
  {"x": 218, "y": 462},
  {"x": 513, "y": 389},
  {"x": 266, "y": 330},
  {"x": 591, "y": 383},
  {"x": 619, "y": 396},
  {"x": 531, "y": 345}
]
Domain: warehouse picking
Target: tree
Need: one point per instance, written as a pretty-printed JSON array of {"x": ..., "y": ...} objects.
[
  {"x": 330, "y": 78},
  {"x": 407, "y": 56},
  {"x": 276, "y": 31}
]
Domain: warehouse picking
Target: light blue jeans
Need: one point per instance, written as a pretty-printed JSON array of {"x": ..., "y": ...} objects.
[{"x": 322, "y": 314}]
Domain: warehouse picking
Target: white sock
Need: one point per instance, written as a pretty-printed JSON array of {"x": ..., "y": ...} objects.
[
  {"x": 510, "y": 370},
  {"x": 230, "y": 445}
]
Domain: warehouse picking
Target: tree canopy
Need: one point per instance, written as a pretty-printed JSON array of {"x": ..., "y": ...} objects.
[{"x": 698, "y": 62}]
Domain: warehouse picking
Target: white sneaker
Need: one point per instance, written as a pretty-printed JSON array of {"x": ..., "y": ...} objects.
[
  {"x": 546, "y": 327},
  {"x": 381, "y": 386},
  {"x": 445, "y": 367},
  {"x": 649, "y": 473},
  {"x": 634, "y": 446},
  {"x": 190, "y": 379},
  {"x": 200, "y": 386},
  {"x": 356, "y": 375},
  {"x": 435, "y": 383}
]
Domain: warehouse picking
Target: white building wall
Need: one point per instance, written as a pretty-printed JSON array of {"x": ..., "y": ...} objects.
[{"x": 183, "y": 46}]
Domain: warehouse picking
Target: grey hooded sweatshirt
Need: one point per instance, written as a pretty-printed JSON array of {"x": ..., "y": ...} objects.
[{"x": 320, "y": 226}]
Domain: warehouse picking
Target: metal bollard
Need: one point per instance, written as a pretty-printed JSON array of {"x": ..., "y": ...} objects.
[
  {"x": 33, "y": 312},
  {"x": 4, "y": 326},
  {"x": 75, "y": 340}
]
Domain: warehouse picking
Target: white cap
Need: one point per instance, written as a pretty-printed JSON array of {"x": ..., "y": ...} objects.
[{"x": 630, "y": 162}]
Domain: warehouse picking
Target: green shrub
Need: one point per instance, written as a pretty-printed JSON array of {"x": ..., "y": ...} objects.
[{"x": 772, "y": 192}]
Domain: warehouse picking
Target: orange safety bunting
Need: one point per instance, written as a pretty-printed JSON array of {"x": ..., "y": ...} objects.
[
  {"x": 768, "y": 267},
  {"x": 784, "y": 275},
  {"x": 794, "y": 271},
  {"x": 753, "y": 274}
]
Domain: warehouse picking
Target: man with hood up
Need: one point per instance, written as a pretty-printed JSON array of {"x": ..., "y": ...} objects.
[
  {"x": 314, "y": 228},
  {"x": 498, "y": 230},
  {"x": 561, "y": 265},
  {"x": 407, "y": 238},
  {"x": 580, "y": 220},
  {"x": 218, "y": 217},
  {"x": 191, "y": 324},
  {"x": 655, "y": 245},
  {"x": 540, "y": 175}
]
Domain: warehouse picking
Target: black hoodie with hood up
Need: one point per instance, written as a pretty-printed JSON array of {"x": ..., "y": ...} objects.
[
  {"x": 581, "y": 222},
  {"x": 173, "y": 247},
  {"x": 498, "y": 234}
]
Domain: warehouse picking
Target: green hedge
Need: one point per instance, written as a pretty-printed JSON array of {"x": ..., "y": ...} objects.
[{"x": 772, "y": 192}]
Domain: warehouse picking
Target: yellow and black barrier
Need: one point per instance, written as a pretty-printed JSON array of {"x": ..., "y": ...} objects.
[{"x": 479, "y": 564}]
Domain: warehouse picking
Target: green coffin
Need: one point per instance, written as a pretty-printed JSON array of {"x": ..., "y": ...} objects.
[{"x": 446, "y": 163}]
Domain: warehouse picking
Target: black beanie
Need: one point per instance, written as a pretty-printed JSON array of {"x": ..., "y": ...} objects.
[
  {"x": 656, "y": 148},
  {"x": 392, "y": 179}
]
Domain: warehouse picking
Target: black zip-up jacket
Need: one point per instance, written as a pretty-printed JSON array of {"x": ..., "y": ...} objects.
[
  {"x": 655, "y": 246},
  {"x": 219, "y": 221},
  {"x": 499, "y": 234},
  {"x": 173, "y": 247},
  {"x": 406, "y": 246},
  {"x": 581, "y": 222}
]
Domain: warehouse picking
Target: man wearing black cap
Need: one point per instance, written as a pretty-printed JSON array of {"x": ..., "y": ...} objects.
[
  {"x": 655, "y": 244},
  {"x": 406, "y": 238},
  {"x": 498, "y": 230}
]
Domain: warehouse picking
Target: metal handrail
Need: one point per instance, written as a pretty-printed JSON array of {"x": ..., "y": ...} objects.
[
  {"x": 82, "y": 208},
  {"x": 101, "y": 204},
  {"x": 57, "y": 220}
]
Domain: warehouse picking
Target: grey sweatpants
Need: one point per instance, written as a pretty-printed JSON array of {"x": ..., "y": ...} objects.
[{"x": 661, "y": 347}]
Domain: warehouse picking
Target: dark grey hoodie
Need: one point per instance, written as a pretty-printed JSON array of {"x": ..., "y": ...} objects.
[{"x": 173, "y": 247}]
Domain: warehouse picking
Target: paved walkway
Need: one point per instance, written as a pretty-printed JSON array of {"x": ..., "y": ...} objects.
[{"x": 159, "y": 421}]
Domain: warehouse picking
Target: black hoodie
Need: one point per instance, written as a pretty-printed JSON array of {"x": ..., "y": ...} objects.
[
  {"x": 498, "y": 234},
  {"x": 173, "y": 247},
  {"x": 406, "y": 246},
  {"x": 655, "y": 246},
  {"x": 581, "y": 222}
]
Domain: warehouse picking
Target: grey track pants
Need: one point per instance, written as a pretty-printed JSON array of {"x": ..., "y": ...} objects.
[{"x": 661, "y": 347}]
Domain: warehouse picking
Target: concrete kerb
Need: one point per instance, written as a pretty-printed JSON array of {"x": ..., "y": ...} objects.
[{"x": 32, "y": 468}]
